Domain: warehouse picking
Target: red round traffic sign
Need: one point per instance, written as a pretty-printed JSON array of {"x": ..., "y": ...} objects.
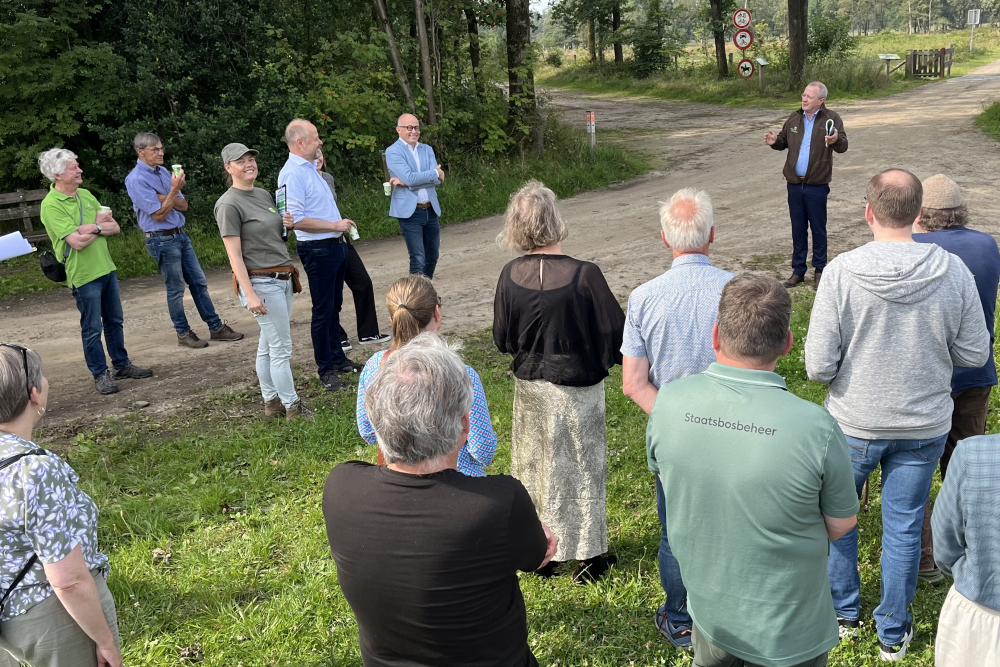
[
  {"x": 743, "y": 39},
  {"x": 745, "y": 68},
  {"x": 742, "y": 18}
]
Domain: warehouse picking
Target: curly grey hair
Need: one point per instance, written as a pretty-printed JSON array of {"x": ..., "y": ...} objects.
[
  {"x": 53, "y": 162},
  {"x": 417, "y": 400}
]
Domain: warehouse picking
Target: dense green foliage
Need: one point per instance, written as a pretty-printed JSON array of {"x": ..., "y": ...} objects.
[
  {"x": 90, "y": 74},
  {"x": 218, "y": 550}
]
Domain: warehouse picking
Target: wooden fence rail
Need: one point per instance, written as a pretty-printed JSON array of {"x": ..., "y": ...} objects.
[{"x": 933, "y": 63}]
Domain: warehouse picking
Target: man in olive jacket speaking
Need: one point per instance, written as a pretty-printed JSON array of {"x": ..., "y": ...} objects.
[{"x": 812, "y": 134}]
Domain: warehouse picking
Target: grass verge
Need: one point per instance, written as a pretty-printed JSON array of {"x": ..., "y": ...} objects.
[
  {"x": 213, "y": 522},
  {"x": 857, "y": 76},
  {"x": 989, "y": 120},
  {"x": 475, "y": 187}
]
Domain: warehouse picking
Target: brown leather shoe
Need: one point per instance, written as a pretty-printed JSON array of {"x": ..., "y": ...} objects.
[
  {"x": 273, "y": 408},
  {"x": 297, "y": 411},
  {"x": 225, "y": 333},
  {"x": 794, "y": 280},
  {"x": 190, "y": 339},
  {"x": 817, "y": 276}
]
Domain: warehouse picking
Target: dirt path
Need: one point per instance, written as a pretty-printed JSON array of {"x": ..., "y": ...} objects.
[{"x": 927, "y": 130}]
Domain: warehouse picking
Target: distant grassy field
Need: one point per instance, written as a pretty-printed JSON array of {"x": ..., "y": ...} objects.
[
  {"x": 213, "y": 522},
  {"x": 858, "y": 75},
  {"x": 475, "y": 186}
]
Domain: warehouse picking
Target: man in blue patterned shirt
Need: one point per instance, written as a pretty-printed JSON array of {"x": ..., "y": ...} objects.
[{"x": 668, "y": 336}]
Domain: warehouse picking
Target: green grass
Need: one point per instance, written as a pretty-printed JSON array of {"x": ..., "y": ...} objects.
[
  {"x": 249, "y": 582},
  {"x": 858, "y": 76},
  {"x": 989, "y": 120},
  {"x": 475, "y": 186}
]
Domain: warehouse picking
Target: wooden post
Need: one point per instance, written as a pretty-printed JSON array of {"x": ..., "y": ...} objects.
[
  {"x": 908, "y": 70},
  {"x": 592, "y": 129},
  {"x": 730, "y": 58},
  {"x": 942, "y": 64},
  {"x": 676, "y": 67}
]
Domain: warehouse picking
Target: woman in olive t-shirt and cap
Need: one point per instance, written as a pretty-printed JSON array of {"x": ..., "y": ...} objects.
[{"x": 263, "y": 275}]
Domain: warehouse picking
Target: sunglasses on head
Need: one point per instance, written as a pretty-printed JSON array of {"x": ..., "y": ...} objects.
[{"x": 24, "y": 360}]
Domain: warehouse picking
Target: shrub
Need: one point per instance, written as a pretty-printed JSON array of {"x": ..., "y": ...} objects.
[
  {"x": 554, "y": 58},
  {"x": 830, "y": 36}
]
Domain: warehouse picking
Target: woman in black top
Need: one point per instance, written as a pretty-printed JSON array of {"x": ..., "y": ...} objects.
[
  {"x": 559, "y": 320},
  {"x": 427, "y": 557}
]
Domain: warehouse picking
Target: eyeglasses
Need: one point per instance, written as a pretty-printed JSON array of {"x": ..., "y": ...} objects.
[
  {"x": 24, "y": 359},
  {"x": 409, "y": 128},
  {"x": 158, "y": 149}
]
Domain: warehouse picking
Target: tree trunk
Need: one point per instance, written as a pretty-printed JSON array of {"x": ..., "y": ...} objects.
[
  {"x": 474, "y": 53},
  {"x": 397, "y": 62},
  {"x": 520, "y": 77},
  {"x": 616, "y": 24},
  {"x": 425, "y": 61},
  {"x": 592, "y": 40},
  {"x": 909, "y": 17},
  {"x": 719, "y": 33},
  {"x": 930, "y": 15},
  {"x": 798, "y": 35}
]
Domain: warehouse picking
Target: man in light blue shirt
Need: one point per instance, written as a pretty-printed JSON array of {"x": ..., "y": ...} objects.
[
  {"x": 414, "y": 172},
  {"x": 811, "y": 135},
  {"x": 320, "y": 244},
  {"x": 159, "y": 209},
  {"x": 668, "y": 336}
]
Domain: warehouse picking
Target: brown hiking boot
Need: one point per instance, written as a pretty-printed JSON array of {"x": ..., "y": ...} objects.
[
  {"x": 794, "y": 280},
  {"x": 817, "y": 276},
  {"x": 296, "y": 411},
  {"x": 273, "y": 408},
  {"x": 190, "y": 339},
  {"x": 225, "y": 333}
]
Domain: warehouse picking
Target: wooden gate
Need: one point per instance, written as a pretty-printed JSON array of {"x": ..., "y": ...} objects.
[{"x": 935, "y": 63}]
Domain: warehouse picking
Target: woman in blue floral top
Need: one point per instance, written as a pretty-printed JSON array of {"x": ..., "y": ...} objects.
[
  {"x": 61, "y": 612},
  {"x": 414, "y": 307}
]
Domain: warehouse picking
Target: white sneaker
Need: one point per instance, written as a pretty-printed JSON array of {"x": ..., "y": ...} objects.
[{"x": 895, "y": 652}]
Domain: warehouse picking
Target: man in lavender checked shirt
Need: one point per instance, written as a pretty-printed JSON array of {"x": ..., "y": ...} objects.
[
  {"x": 159, "y": 206},
  {"x": 668, "y": 336}
]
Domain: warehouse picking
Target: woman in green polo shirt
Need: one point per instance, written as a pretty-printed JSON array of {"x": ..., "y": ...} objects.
[{"x": 78, "y": 229}]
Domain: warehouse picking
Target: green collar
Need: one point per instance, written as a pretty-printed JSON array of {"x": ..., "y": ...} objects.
[
  {"x": 746, "y": 375},
  {"x": 60, "y": 195}
]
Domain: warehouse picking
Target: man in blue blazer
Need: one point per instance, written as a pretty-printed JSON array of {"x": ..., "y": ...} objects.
[{"x": 414, "y": 172}]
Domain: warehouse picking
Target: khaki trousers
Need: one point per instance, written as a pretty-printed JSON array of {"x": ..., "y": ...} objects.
[
  {"x": 47, "y": 636},
  {"x": 968, "y": 634},
  {"x": 707, "y": 654}
]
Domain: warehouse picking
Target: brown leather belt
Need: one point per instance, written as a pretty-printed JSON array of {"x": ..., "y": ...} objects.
[
  {"x": 276, "y": 272},
  {"x": 165, "y": 232},
  {"x": 425, "y": 205}
]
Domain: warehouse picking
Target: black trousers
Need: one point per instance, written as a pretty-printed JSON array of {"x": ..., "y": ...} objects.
[
  {"x": 807, "y": 209},
  {"x": 358, "y": 281}
]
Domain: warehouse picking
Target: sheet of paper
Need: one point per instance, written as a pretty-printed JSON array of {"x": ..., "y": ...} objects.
[{"x": 13, "y": 245}]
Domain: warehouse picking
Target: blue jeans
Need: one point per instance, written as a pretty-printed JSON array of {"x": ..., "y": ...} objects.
[
  {"x": 422, "y": 234},
  {"x": 907, "y": 470},
  {"x": 100, "y": 308},
  {"x": 325, "y": 262},
  {"x": 670, "y": 571},
  {"x": 177, "y": 262},
  {"x": 807, "y": 208},
  {"x": 274, "y": 349}
]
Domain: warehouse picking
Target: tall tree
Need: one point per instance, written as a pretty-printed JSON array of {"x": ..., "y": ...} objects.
[
  {"x": 397, "y": 62},
  {"x": 425, "y": 61},
  {"x": 616, "y": 24},
  {"x": 520, "y": 77},
  {"x": 474, "y": 49},
  {"x": 798, "y": 39},
  {"x": 719, "y": 32},
  {"x": 591, "y": 40}
]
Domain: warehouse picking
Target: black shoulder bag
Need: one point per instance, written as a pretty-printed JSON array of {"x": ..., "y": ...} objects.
[
  {"x": 53, "y": 269},
  {"x": 34, "y": 557}
]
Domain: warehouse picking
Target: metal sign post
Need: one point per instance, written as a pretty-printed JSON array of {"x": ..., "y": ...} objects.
[
  {"x": 763, "y": 63},
  {"x": 888, "y": 58},
  {"x": 974, "y": 16},
  {"x": 592, "y": 128}
]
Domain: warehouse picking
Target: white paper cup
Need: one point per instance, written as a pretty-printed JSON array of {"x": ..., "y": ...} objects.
[
  {"x": 354, "y": 234},
  {"x": 387, "y": 189},
  {"x": 176, "y": 169},
  {"x": 105, "y": 209}
]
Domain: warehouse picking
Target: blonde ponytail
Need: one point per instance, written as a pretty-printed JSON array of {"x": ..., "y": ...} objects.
[{"x": 411, "y": 302}]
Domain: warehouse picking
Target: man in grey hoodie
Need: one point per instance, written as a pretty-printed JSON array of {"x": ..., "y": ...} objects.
[{"x": 890, "y": 321}]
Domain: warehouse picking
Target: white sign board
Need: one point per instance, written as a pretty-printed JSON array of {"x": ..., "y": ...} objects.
[
  {"x": 761, "y": 61},
  {"x": 889, "y": 56},
  {"x": 974, "y": 15}
]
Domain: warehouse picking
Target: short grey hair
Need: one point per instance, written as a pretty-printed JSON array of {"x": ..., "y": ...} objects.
[
  {"x": 145, "y": 140},
  {"x": 296, "y": 129},
  {"x": 532, "y": 220},
  {"x": 13, "y": 382},
  {"x": 687, "y": 219},
  {"x": 821, "y": 86},
  {"x": 53, "y": 162},
  {"x": 417, "y": 400},
  {"x": 754, "y": 315}
]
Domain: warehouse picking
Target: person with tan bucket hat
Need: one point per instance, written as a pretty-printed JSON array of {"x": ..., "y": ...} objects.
[{"x": 943, "y": 220}]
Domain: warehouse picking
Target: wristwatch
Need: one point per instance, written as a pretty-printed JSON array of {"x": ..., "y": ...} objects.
[{"x": 99, "y": 230}]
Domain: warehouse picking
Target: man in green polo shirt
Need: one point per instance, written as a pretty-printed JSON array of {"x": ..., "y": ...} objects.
[
  {"x": 78, "y": 230},
  {"x": 756, "y": 483}
]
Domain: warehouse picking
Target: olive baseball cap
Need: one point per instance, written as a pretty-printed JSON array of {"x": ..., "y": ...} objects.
[{"x": 235, "y": 152}]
